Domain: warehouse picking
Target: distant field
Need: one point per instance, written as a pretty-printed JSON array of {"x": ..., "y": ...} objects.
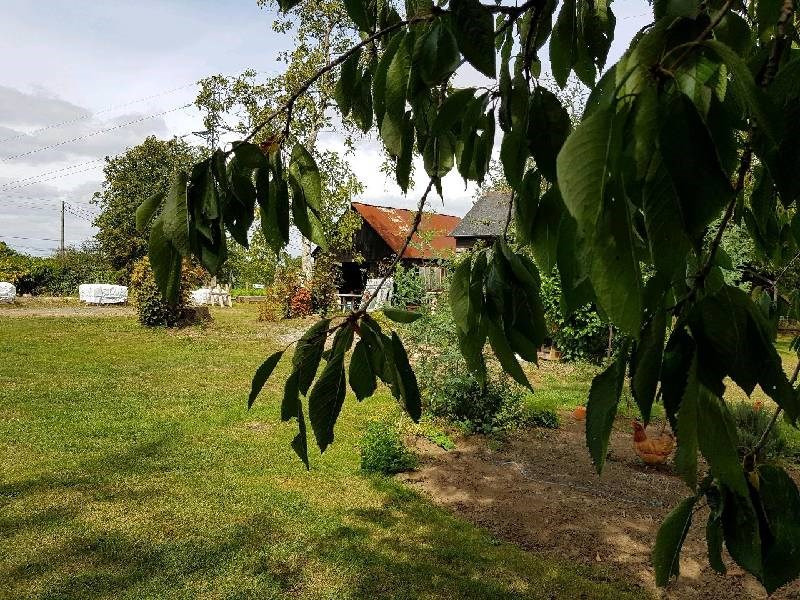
[{"x": 129, "y": 468}]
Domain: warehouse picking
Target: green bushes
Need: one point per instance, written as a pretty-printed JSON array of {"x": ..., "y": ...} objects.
[
  {"x": 383, "y": 451},
  {"x": 55, "y": 275},
  {"x": 751, "y": 424},
  {"x": 409, "y": 287},
  {"x": 581, "y": 336},
  {"x": 151, "y": 308}
]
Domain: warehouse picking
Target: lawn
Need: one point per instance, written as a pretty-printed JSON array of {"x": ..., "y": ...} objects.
[{"x": 129, "y": 468}]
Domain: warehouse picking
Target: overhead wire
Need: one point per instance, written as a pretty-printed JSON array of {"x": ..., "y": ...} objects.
[
  {"x": 95, "y": 113},
  {"x": 94, "y": 133}
]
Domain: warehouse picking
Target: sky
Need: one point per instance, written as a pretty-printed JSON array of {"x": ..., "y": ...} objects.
[{"x": 82, "y": 80}]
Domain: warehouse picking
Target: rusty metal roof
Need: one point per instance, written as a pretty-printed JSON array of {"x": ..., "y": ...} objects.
[{"x": 393, "y": 224}]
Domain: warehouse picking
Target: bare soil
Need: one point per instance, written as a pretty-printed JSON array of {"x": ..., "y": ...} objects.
[
  {"x": 62, "y": 307},
  {"x": 540, "y": 491}
]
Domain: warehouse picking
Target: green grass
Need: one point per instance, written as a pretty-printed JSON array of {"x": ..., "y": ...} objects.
[{"x": 129, "y": 468}]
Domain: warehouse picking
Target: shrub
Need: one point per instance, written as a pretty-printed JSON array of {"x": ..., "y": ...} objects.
[
  {"x": 751, "y": 424},
  {"x": 325, "y": 280},
  {"x": 545, "y": 418},
  {"x": 409, "y": 287},
  {"x": 280, "y": 292},
  {"x": 383, "y": 451},
  {"x": 583, "y": 335},
  {"x": 300, "y": 303},
  {"x": 152, "y": 309}
]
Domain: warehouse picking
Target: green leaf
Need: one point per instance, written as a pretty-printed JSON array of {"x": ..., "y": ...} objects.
[
  {"x": 381, "y": 71},
  {"x": 474, "y": 30},
  {"x": 741, "y": 531},
  {"x": 526, "y": 203},
  {"x": 397, "y": 76},
  {"x": 401, "y": 316},
  {"x": 602, "y": 408},
  {"x": 146, "y": 210},
  {"x": 686, "y": 455},
  {"x": 513, "y": 154},
  {"x": 452, "y": 110},
  {"x": 358, "y": 11},
  {"x": 714, "y": 533},
  {"x": 546, "y": 228},
  {"x": 438, "y": 155},
  {"x": 754, "y": 98},
  {"x": 287, "y": 5},
  {"x": 562, "y": 43},
  {"x": 548, "y": 128},
  {"x": 505, "y": 355},
  {"x": 669, "y": 541},
  {"x": 261, "y": 375},
  {"x": 345, "y": 90},
  {"x": 290, "y": 405},
  {"x": 719, "y": 442},
  {"x": 646, "y": 363},
  {"x": 403, "y": 169},
  {"x": 436, "y": 54},
  {"x": 362, "y": 378},
  {"x": 303, "y": 169},
  {"x": 735, "y": 340},
  {"x": 326, "y": 399},
  {"x": 362, "y": 103},
  {"x": 249, "y": 155},
  {"x": 406, "y": 380},
  {"x": 690, "y": 157},
  {"x": 308, "y": 352},
  {"x": 306, "y": 219},
  {"x": 459, "y": 295},
  {"x": 175, "y": 214},
  {"x": 584, "y": 168},
  {"x": 166, "y": 263},
  {"x": 675, "y": 367},
  {"x": 780, "y": 501},
  {"x": 300, "y": 441}
]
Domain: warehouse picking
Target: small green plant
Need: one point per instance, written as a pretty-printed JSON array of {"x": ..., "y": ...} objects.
[
  {"x": 545, "y": 418},
  {"x": 383, "y": 451},
  {"x": 409, "y": 287},
  {"x": 435, "y": 434},
  {"x": 751, "y": 424}
]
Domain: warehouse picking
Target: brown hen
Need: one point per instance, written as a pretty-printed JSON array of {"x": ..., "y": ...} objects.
[{"x": 653, "y": 451}]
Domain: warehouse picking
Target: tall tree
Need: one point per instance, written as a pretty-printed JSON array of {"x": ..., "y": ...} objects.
[
  {"x": 131, "y": 178},
  {"x": 233, "y": 104},
  {"x": 705, "y": 100}
]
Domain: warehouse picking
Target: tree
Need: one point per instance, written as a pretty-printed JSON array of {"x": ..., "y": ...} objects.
[
  {"x": 130, "y": 178},
  {"x": 704, "y": 101},
  {"x": 320, "y": 32}
]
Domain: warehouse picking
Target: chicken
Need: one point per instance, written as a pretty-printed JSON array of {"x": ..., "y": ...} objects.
[
  {"x": 758, "y": 405},
  {"x": 579, "y": 414},
  {"x": 653, "y": 451}
]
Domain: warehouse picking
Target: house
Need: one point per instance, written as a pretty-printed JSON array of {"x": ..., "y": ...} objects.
[
  {"x": 381, "y": 237},
  {"x": 484, "y": 222}
]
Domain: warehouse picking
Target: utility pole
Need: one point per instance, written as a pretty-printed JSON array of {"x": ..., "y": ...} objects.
[{"x": 62, "y": 228}]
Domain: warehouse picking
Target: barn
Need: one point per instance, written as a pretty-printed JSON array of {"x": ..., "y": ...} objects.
[{"x": 381, "y": 237}]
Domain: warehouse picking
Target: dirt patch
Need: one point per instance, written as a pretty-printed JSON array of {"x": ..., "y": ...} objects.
[
  {"x": 70, "y": 310},
  {"x": 541, "y": 492}
]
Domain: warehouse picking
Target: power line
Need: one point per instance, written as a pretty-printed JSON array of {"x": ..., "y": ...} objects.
[
  {"x": 19, "y": 237},
  {"x": 67, "y": 168},
  {"x": 16, "y": 187},
  {"x": 94, "y": 133},
  {"x": 94, "y": 114}
]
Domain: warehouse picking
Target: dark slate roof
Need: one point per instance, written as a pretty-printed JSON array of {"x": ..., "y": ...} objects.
[{"x": 486, "y": 218}]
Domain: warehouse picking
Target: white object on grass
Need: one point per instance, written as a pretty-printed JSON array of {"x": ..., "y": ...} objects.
[
  {"x": 7, "y": 292},
  {"x": 102, "y": 293},
  {"x": 383, "y": 297}
]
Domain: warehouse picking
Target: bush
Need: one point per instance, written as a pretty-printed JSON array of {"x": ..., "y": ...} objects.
[
  {"x": 751, "y": 424},
  {"x": 581, "y": 336},
  {"x": 300, "y": 303},
  {"x": 152, "y": 309},
  {"x": 383, "y": 451},
  {"x": 545, "y": 418},
  {"x": 325, "y": 281},
  {"x": 409, "y": 287},
  {"x": 280, "y": 292}
]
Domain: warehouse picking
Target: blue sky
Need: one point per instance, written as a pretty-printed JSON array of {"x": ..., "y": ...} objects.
[{"x": 115, "y": 64}]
